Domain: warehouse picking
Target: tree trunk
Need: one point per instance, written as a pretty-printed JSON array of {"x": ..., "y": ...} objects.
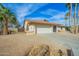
[
  {"x": 75, "y": 22},
  {"x": 5, "y": 26},
  {"x": 74, "y": 25},
  {"x": 70, "y": 18},
  {"x": 65, "y": 22},
  {"x": 78, "y": 19}
]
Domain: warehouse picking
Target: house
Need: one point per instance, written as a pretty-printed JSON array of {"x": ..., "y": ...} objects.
[
  {"x": 11, "y": 29},
  {"x": 41, "y": 27}
]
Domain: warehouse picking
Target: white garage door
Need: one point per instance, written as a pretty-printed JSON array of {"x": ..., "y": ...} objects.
[{"x": 44, "y": 29}]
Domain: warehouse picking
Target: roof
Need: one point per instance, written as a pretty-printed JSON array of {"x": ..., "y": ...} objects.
[{"x": 42, "y": 22}]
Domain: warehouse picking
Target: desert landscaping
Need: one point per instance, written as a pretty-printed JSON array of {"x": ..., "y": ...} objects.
[{"x": 21, "y": 44}]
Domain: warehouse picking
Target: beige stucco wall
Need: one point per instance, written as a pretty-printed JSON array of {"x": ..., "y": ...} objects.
[
  {"x": 63, "y": 29},
  {"x": 32, "y": 28},
  {"x": 38, "y": 28},
  {"x": 60, "y": 29}
]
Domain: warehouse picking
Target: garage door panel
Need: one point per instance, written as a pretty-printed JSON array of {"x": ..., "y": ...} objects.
[{"x": 44, "y": 29}]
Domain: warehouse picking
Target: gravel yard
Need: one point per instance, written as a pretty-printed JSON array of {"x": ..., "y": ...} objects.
[
  {"x": 67, "y": 39},
  {"x": 18, "y": 44}
]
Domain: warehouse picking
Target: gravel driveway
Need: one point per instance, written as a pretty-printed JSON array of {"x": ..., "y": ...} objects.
[{"x": 68, "y": 40}]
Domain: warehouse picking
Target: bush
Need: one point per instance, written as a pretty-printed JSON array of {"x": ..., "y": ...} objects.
[{"x": 44, "y": 50}]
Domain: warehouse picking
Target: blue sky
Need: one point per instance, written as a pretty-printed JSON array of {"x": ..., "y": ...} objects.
[{"x": 53, "y": 12}]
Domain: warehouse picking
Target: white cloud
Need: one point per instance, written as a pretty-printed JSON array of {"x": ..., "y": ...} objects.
[
  {"x": 59, "y": 22},
  {"x": 26, "y": 10},
  {"x": 49, "y": 12},
  {"x": 29, "y": 8},
  {"x": 37, "y": 18},
  {"x": 58, "y": 16}
]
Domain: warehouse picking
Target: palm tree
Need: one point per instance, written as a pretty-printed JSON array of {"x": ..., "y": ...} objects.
[
  {"x": 1, "y": 25},
  {"x": 3, "y": 13},
  {"x": 66, "y": 18},
  {"x": 67, "y": 15},
  {"x": 6, "y": 17},
  {"x": 69, "y": 5},
  {"x": 78, "y": 17},
  {"x": 13, "y": 20},
  {"x": 75, "y": 18}
]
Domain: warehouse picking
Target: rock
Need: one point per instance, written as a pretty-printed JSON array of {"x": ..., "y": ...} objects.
[
  {"x": 40, "y": 50},
  {"x": 45, "y": 50},
  {"x": 60, "y": 52}
]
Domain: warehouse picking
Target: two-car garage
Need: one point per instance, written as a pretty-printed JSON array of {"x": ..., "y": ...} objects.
[{"x": 44, "y": 29}]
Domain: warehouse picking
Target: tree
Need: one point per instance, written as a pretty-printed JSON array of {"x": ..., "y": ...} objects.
[
  {"x": 67, "y": 15},
  {"x": 1, "y": 25},
  {"x": 3, "y": 13},
  {"x": 75, "y": 19},
  {"x": 65, "y": 21},
  {"x": 69, "y": 6},
  {"x": 45, "y": 20},
  {"x": 78, "y": 17},
  {"x": 7, "y": 16}
]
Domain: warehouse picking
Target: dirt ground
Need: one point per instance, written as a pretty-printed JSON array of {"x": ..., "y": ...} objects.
[{"x": 18, "y": 44}]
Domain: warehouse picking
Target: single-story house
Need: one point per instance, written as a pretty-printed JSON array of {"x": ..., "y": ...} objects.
[{"x": 40, "y": 27}]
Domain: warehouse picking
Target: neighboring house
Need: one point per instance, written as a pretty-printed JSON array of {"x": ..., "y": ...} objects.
[
  {"x": 12, "y": 28},
  {"x": 38, "y": 27},
  {"x": 20, "y": 29}
]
